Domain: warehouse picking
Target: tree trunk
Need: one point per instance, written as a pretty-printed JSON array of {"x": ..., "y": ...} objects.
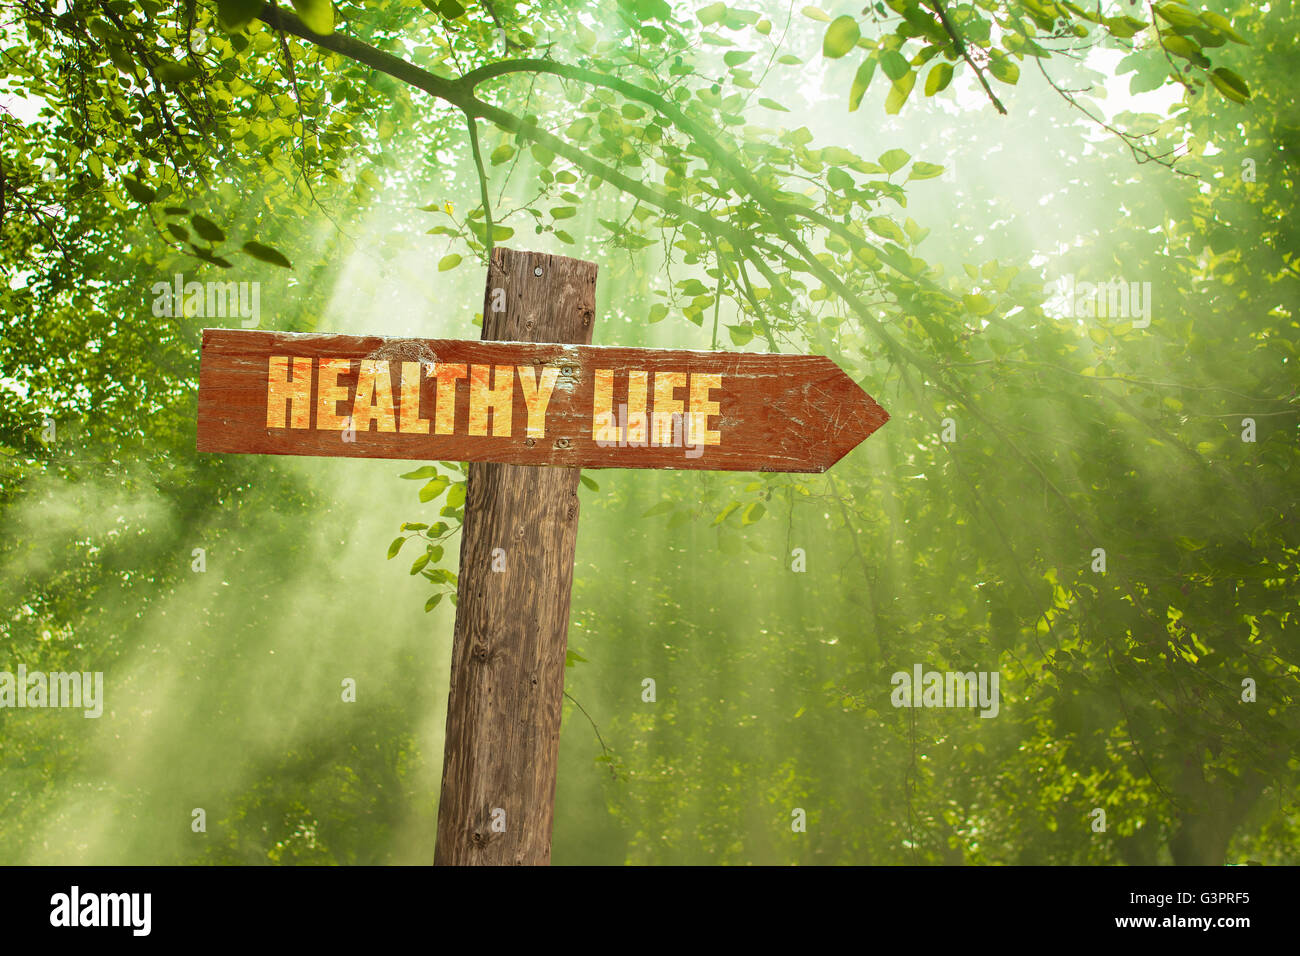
[{"x": 512, "y": 615}]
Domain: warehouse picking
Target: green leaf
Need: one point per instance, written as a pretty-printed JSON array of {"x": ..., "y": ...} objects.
[
  {"x": 737, "y": 57},
  {"x": 841, "y": 36},
  {"x": 1177, "y": 15},
  {"x": 451, "y": 9},
  {"x": 1222, "y": 24},
  {"x": 207, "y": 256},
  {"x": 887, "y": 228},
  {"x": 139, "y": 191},
  {"x": 1124, "y": 27},
  {"x": 316, "y": 15},
  {"x": 938, "y": 79},
  {"x": 662, "y": 508},
  {"x": 171, "y": 72},
  {"x": 1004, "y": 68},
  {"x": 898, "y": 94},
  {"x": 658, "y": 312},
  {"x": 587, "y": 39},
  {"x": 564, "y": 212},
  {"x": 456, "y": 496},
  {"x": 430, "y": 604},
  {"x": 448, "y": 262},
  {"x": 924, "y": 170},
  {"x": 893, "y": 160},
  {"x": 425, "y": 471},
  {"x": 589, "y": 483},
  {"x": 501, "y": 154},
  {"x": 725, "y": 513},
  {"x": 396, "y": 546},
  {"x": 712, "y": 13},
  {"x": 207, "y": 229},
  {"x": 894, "y": 64},
  {"x": 1230, "y": 85},
  {"x": 1187, "y": 49},
  {"x": 772, "y": 104},
  {"x": 266, "y": 254},
  {"x": 434, "y": 488},
  {"x": 740, "y": 334},
  {"x": 753, "y": 513},
  {"x": 651, "y": 9},
  {"x": 236, "y": 14},
  {"x": 839, "y": 180},
  {"x": 812, "y": 13},
  {"x": 861, "y": 80}
]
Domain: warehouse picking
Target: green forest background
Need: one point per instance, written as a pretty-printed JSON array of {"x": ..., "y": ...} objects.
[{"x": 899, "y": 187}]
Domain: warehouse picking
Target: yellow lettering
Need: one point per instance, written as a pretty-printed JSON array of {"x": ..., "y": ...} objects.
[
  {"x": 604, "y": 426},
  {"x": 280, "y": 388},
  {"x": 374, "y": 398},
  {"x": 537, "y": 396},
  {"x": 701, "y": 408},
  {"x": 666, "y": 406},
  {"x": 445, "y": 417},
  {"x": 636, "y": 418},
  {"x": 499, "y": 398},
  {"x": 411, "y": 422},
  {"x": 329, "y": 393}
]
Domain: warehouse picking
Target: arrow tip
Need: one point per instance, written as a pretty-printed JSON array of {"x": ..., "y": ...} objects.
[{"x": 851, "y": 418}]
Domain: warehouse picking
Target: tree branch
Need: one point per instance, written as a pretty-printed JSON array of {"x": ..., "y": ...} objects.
[
  {"x": 460, "y": 93},
  {"x": 482, "y": 183},
  {"x": 960, "y": 46}
]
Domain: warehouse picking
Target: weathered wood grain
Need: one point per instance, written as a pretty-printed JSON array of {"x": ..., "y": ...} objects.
[
  {"x": 512, "y": 614},
  {"x": 797, "y": 413}
]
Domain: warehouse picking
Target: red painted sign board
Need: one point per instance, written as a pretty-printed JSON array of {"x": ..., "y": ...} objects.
[{"x": 284, "y": 393}]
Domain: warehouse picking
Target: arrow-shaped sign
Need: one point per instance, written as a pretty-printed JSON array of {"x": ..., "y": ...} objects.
[{"x": 524, "y": 403}]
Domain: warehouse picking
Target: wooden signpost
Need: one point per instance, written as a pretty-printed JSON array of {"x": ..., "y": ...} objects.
[{"x": 533, "y": 392}]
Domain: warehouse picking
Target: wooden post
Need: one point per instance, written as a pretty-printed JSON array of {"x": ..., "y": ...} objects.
[{"x": 512, "y": 613}]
